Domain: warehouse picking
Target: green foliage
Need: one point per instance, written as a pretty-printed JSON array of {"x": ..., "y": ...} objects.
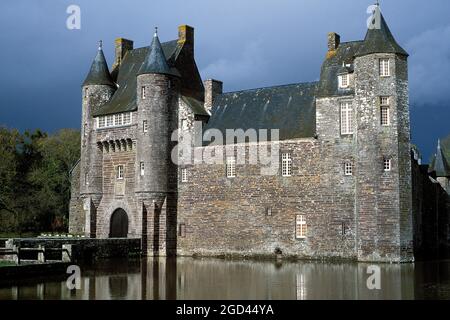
[{"x": 35, "y": 180}]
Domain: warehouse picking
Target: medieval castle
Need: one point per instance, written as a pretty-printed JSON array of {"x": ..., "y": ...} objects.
[{"x": 348, "y": 184}]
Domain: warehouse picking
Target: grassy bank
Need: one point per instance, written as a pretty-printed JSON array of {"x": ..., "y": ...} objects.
[{"x": 4, "y": 263}]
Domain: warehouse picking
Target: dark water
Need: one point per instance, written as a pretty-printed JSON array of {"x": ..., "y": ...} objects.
[{"x": 187, "y": 278}]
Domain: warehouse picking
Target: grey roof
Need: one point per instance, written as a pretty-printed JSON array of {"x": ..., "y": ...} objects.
[
  {"x": 155, "y": 61},
  {"x": 99, "y": 72},
  {"x": 196, "y": 106},
  {"x": 332, "y": 67},
  {"x": 124, "y": 99},
  {"x": 289, "y": 108},
  {"x": 380, "y": 41},
  {"x": 440, "y": 165}
]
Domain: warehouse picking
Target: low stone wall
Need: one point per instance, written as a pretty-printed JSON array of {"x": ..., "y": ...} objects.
[{"x": 85, "y": 249}]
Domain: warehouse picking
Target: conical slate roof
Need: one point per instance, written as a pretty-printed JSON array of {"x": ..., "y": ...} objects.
[
  {"x": 380, "y": 40},
  {"x": 440, "y": 163},
  {"x": 155, "y": 61},
  {"x": 99, "y": 73}
]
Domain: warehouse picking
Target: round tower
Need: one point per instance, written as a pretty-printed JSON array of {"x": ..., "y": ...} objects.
[
  {"x": 383, "y": 162},
  {"x": 97, "y": 89},
  {"x": 157, "y": 108}
]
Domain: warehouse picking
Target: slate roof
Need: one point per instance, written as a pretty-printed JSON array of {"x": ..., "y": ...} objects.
[
  {"x": 99, "y": 72},
  {"x": 380, "y": 41},
  {"x": 289, "y": 108},
  {"x": 124, "y": 99},
  {"x": 332, "y": 67},
  {"x": 440, "y": 164},
  {"x": 155, "y": 61}
]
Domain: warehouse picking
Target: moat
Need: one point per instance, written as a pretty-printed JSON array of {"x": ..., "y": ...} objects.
[{"x": 188, "y": 278}]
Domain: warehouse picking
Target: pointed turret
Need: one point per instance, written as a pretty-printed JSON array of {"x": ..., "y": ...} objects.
[
  {"x": 379, "y": 38},
  {"x": 155, "y": 61},
  {"x": 440, "y": 164},
  {"x": 99, "y": 73}
]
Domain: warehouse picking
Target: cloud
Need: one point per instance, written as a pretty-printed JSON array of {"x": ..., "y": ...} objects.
[
  {"x": 248, "y": 67},
  {"x": 430, "y": 66}
]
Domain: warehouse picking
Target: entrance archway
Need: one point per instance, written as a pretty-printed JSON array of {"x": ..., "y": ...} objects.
[{"x": 119, "y": 224}]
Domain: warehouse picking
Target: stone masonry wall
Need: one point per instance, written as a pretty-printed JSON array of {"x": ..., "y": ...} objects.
[
  {"x": 77, "y": 215},
  {"x": 223, "y": 216}
]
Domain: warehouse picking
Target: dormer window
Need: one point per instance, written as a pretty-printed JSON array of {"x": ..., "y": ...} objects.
[{"x": 344, "y": 81}]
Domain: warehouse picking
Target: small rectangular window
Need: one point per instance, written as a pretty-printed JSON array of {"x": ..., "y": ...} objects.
[
  {"x": 343, "y": 229},
  {"x": 344, "y": 81},
  {"x": 101, "y": 122},
  {"x": 110, "y": 121},
  {"x": 127, "y": 118},
  {"x": 182, "y": 230},
  {"x": 384, "y": 111},
  {"x": 143, "y": 92},
  {"x": 387, "y": 164},
  {"x": 86, "y": 179},
  {"x": 118, "y": 119},
  {"x": 384, "y": 68},
  {"x": 346, "y": 118},
  {"x": 86, "y": 92},
  {"x": 142, "y": 169},
  {"x": 286, "y": 165},
  {"x": 184, "y": 175},
  {"x": 119, "y": 172},
  {"x": 144, "y": 126},
  {"x": 348, "y": 169},
  {"x": 231, "y": 167},
  {"x": 301, "y": 227}
]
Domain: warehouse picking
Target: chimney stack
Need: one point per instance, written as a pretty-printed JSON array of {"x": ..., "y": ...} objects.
[
  {"x": 186, "y": 37},
  {"x": 213, "y": 88},
  {"x": 121, "y": 47},
  {"x": 333, "y": 41}
]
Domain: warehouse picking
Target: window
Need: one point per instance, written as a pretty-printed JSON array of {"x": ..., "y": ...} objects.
[
  {"x": 114, "y": 120},
  {"x": 387, "y": 164},
  {"x": 343, "y": 229},
  {"x": 231, "y": 167},
  {"x": 86, "y": 92},
  {"x": 101, "y": 122},
  {"x": 384, "y": 111},
  {"x": 182, "y": 230},
  {"x": 119, "y": 172},
  {"x": 384, "y": 68},
  {"x": 142, "y": 169},
  {"x": 269, "y": 212},
  {"x": 110, "y": 121},
  {"x": 184, "y": 125},
  {"x": 145, "y": 126},
  {"x": 286, "y": 165},
  {"x": 346, "y": 118},
  {"x": 184, "y": 177},
  {"x": 85, "y": 130},
  {"x": 86, "y": 179},
  {"x": 344, "y": 81},
  {"x": 348, "y": 169},
  {"x": 127, "y": 118},
  {"x": 301, "y": 227},
  {"x": 118, "y": 119},
  {"x": 143, "y": 93}
]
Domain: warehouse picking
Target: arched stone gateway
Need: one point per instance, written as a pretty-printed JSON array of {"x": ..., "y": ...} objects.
[{"x": 119, "y": 224}]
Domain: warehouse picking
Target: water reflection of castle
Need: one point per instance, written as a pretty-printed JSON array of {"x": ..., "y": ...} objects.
[{"x": 190, "y": 279}]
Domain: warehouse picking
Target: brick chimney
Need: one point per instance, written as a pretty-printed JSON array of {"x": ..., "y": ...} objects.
[
  {"x": 186, "y": 37},
  {"x": 121, "y": 47},
  {"x": 333, "y": 41},
  {"x": 213, "y": 88}
]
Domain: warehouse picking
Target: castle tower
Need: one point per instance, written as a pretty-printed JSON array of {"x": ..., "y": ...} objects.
[
  {"x": 383, "y": 182},
  {"x": 97, "y": 89},
  {"x": 442, "y": 168},
  {"x": 157, "y": 108}
]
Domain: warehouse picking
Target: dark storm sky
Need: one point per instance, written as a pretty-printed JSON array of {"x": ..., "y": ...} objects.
[{"x": 246, "y": 44}]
